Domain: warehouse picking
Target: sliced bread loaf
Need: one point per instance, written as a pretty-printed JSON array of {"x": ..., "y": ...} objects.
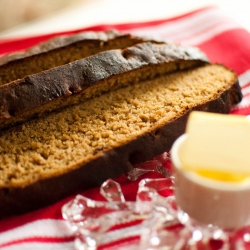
[
  {"x": 82, "y": 145},
  {"x": 77, "y": 81}
]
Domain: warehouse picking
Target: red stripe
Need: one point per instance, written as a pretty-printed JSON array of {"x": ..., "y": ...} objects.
[
  {"x": 231, "y": 48},
  {"x": 38, "y": 240},
  {"x": 246, "y": 95},
  {"x": 241, "y": 111},
  {"x": 245, "y": 86},
  {"x": 203, "y": 30},
  {"x": 46, "y": 213}
]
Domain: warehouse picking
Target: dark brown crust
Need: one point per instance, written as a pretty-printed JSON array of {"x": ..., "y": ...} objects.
[
  {"x": 63, "y": 42},
  {"x": 109, "y": 164},
  {"x": 22, "y": 99},
  {"x": 61, "y": 50}
]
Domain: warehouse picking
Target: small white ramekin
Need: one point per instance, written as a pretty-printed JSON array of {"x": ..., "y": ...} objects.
[{"x": 224, "y": 204}]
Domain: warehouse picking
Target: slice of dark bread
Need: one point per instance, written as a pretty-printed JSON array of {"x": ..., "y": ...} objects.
[
  {"x": 61, "y": 50},
  {"x": 79, "y": 80},
  {"x": 82, "y": 145}
]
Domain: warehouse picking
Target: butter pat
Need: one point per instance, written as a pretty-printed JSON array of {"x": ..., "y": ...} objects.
[{"x": 217, "y": 146}]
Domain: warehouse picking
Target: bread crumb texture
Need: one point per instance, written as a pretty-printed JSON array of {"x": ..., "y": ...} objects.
[{"x": 66, "y": 140}]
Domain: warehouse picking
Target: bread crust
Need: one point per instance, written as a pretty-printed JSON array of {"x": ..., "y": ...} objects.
[
  {"x": 108, "y": 164},
  {"x": 61, "y": 86},
  {"x": 64, "y": 42},
  {"x": 61, "y": 50}
]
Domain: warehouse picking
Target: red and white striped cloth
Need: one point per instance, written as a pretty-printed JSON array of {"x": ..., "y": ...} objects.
[{"x": 220, "y": 37}]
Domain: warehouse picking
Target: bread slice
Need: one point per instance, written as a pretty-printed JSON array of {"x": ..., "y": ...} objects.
[
  {"x": 61, "y": 50},
  {"x": 77, "y": 81},
  {"x": 82, "y": 145}
]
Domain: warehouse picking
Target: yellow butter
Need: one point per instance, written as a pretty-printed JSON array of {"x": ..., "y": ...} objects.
[{"x": 217, "y": 146}]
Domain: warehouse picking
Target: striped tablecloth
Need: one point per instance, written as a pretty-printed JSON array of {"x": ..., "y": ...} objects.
[{"x": 220, "y": 37}]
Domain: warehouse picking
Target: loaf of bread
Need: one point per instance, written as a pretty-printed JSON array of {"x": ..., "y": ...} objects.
[{"x": 129, "y": 106}]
